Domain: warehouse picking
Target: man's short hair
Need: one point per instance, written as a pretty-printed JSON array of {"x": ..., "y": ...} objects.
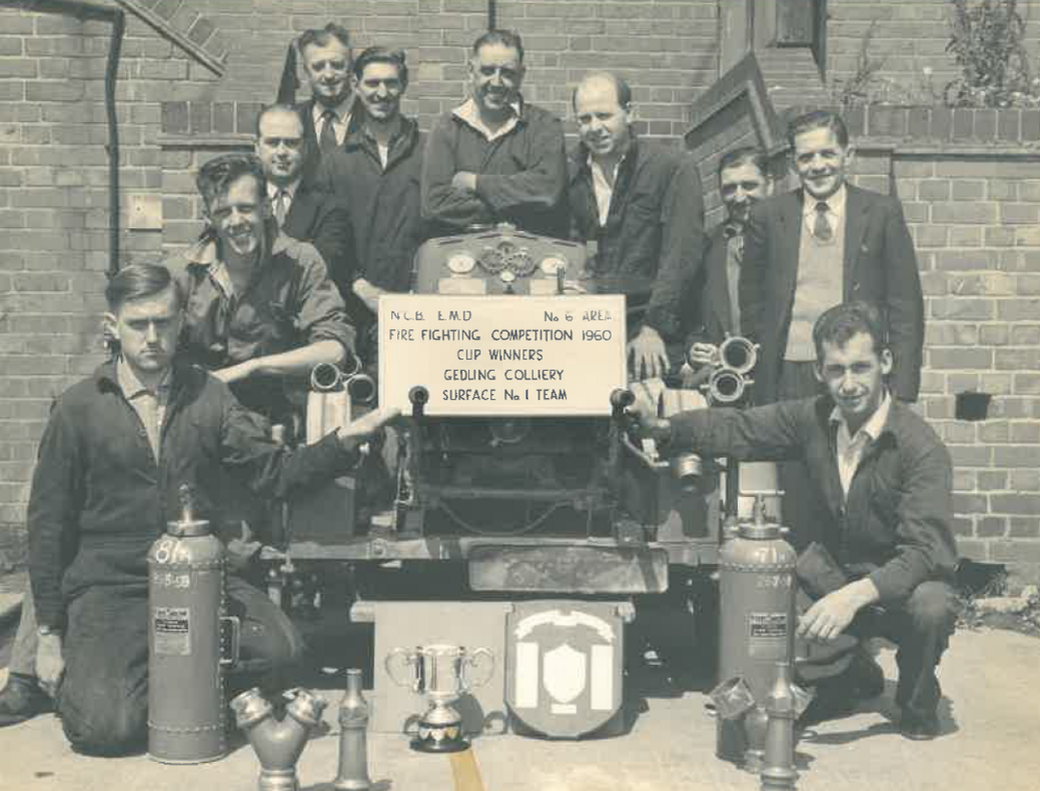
[
  {"x": 745, "y": 155},
  {"x": 216, "y": 176},
  {"x": 322, "y": 36},
  {"x": 395, "y": 57},
  {"x": 507, "y": 38},
  {"x": 841, "y": 323},
  {"x": 138, "y": 281},
  {"x": 818, "y": 119},
  {"x": 276, "y": 108},
  {"x": 621, "y": 88}
]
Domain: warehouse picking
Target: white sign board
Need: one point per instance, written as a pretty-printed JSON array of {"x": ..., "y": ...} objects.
[{"x": 502, "y": 355}]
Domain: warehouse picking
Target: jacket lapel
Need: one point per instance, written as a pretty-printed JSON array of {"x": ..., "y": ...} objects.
[
  {"x": 719, "y": 281},
  {"x": 856, "y": 206},
  {"x": 301, "y": 214},
  {"x": 788, "y": 242}
]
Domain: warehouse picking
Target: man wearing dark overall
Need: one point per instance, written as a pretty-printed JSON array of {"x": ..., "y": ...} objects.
[
  {"x": 116, "y": 448},
  {"x": 886, "y": 555}
]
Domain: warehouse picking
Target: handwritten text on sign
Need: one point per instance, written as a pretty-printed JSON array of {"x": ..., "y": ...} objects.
[{"x": 504, "y": 356}]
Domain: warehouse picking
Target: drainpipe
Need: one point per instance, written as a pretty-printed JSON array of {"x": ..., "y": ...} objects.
[
  {"x": 84, "y": 10},
  {"x": 492, "y": 14}
]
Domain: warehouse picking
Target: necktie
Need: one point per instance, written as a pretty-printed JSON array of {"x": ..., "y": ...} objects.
[
  {"x": 281, "y": 208},
  {"x": 822, "y": 229},
  {"x": 328, "y": 142}
]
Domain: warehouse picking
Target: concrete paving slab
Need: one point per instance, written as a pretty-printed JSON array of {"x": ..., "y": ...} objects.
[{"x": 991, "y": 718}]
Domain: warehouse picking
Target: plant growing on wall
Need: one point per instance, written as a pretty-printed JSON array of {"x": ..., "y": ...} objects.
[
  {"x": 986, "y": 42},
  {"x": 858, "y": 88}
]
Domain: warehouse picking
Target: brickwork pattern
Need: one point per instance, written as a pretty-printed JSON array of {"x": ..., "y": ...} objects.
[{"x": 910, "y": 37}]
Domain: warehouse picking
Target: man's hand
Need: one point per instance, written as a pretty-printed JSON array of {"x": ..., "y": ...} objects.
[
  {"x": 368, "y": 294},
  {"x": 234, "y": 373},
  {"x": 831, "y": 615},
  {"x": 703, "y": 354},
  {"x": 49, "y": 662},
  {"x": 463, "y": 180},
  {"x": 365, "y": 427},
  {"x": 648, "y": 355}
]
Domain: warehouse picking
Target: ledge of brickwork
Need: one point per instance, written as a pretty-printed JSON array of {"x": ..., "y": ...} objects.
[{"x": 180, "y": 23}]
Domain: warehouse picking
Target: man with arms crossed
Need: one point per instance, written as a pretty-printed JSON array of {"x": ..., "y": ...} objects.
[
  {"x": 886, "y": 555},
  {"x": 495, "y": 158}
]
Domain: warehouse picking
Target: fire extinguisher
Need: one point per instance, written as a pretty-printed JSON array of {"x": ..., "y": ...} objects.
[
  {"x": 186, "y": 610},
  {"x": 756, "y": 631}
]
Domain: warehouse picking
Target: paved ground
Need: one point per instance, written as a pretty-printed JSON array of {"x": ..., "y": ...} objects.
[{"x": 991, "y": 719}]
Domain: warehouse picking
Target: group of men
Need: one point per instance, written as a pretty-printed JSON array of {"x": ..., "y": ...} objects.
[{"x": 303, "y": 238}]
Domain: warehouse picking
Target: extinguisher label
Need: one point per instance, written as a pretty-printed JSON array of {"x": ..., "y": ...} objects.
[
  {"x": 172, "y": 629},
  {"x": 767, "y": 635}
]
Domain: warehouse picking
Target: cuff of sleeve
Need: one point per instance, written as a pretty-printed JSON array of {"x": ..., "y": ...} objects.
[
  {"x": 666, "y": 326},
  {"x": 888, "y": 586}
]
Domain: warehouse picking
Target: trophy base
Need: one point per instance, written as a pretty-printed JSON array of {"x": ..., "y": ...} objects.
[{"x": 443, "y": 737}]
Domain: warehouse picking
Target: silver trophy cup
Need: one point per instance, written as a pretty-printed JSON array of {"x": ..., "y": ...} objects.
[{"x": 443, "y": 673}]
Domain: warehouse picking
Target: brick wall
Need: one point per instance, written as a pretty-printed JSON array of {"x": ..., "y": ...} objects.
[
  {"x": 53, "y": 163},
  {"x": 909, "y": 36}
]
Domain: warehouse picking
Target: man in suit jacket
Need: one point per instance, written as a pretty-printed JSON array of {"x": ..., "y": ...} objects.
[
  {"x": 327, "y": 62},
  {"x": 743, "y": 181},
  {"x": 825, "y": 243},
  {"x": 302, "y": 210}
]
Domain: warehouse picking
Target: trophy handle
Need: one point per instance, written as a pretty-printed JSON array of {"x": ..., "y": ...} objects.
[
  {"x": 397, "y": 663},
  {"x": 481, "y": 660}
]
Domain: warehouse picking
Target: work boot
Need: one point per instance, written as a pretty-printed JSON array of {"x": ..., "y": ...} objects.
[
  {"x": 917, "y": 728},
  {"x": 21, "y": 699}
]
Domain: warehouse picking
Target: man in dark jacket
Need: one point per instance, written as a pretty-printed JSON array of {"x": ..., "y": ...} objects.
[
  {"x": 302, "y": 211},
  {"x": 116, "y": 449},
  {"x": 826, "y": 242},
  {"x": 886, "y": 479},
  {"x": 495, "y": 158},
  {"x": 376, "y": 175},
  {"x": 327, "y": 61},
  {"x": 641, "y": 204},
  {"x": 743, "y": 181}
]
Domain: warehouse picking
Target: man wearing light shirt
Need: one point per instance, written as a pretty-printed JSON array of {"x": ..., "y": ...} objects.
[
  {"x": 641, "y": 203},
  {"x": 886, "y": 480},
  {"x": 495, "y": 158},
  {"x": 824, "y": 243},
  {"x": 327, "y": 62}
]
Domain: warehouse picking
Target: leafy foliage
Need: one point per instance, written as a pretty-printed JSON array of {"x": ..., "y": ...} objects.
[{"x": 986, "y": 42}]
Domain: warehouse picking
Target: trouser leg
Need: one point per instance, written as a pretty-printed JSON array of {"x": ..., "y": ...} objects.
[
  {"x": 802, "y": 501},
  {"x": 270, "y": 648},
  {"x": 23, "y": 652},
  {"x": 103, "y": 697},
  {"x": 921, "y": 628}
]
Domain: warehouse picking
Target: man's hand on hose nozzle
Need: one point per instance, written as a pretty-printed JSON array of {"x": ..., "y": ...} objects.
[
  {"x": 364, "y": 428},
  {"x": 648, "y": 424}
]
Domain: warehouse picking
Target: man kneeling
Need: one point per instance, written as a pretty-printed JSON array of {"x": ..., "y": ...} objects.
[
  {"x": 886, "y": 478},
  {"x": 116, "y": 448}
]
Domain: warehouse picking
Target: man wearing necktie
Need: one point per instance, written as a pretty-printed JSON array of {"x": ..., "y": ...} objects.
[
  {"x": 301, "y": 208},
  {"x": 825, "y": 243},
  {"x": 327, "y": 62},
  {"x": 743, "y": 181}
]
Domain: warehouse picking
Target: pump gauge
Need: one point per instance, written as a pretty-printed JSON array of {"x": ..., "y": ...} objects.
[
  {"x": 462, "y": 263},
  {"x": 552, "y": 264}
]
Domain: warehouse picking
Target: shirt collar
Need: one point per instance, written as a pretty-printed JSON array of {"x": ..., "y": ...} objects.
[
  {"x": 835, "y": 203},
  {"x": 874, "y": 426},
  {"x": 273, "y": 189},
  {"x": 342, "y": 110},
  {"x": 470, "y": 114},
  {"x": 131, "y": 385}
]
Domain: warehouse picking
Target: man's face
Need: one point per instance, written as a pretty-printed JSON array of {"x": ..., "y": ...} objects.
[
  {"x": 821, "y": 162},
  {"x": 379, "y": 90},
  {"x": 495, "y": 74},
  {"x": 854, "y": 376},
  {"x": 603, "y": 124},
  {"x": 741, "y": 187},
  {"x": 147, "y": 329},
  {"x": 238, "y": 215},
  {"x": 280, "y": 146},
  {"x": 328, "y": 71}
]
